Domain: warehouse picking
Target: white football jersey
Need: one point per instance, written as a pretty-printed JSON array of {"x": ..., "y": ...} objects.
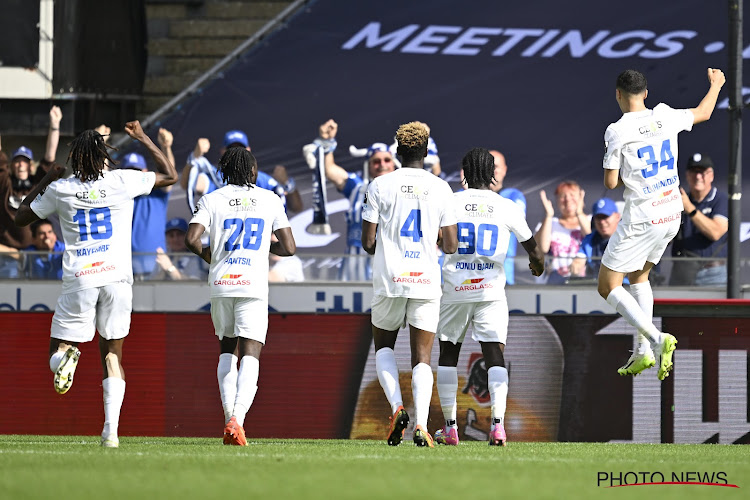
[
  {"x": 409, "y": 206},
  {"x": 643, "y": 146},
  {"x": 96, "y": 219},
  {"x": 240, "y": 220},
  {"x": 476, "y": 272}
]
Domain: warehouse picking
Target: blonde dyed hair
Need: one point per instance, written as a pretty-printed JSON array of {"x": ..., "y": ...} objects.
[{"x": 412, "y": 139}]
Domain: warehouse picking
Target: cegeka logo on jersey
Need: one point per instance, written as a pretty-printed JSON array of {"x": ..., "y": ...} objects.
[
  {"x": 473, "y": 284},
  {"x": 414, "y": 192},
  {"x": 231, "y": 280},
  {"x": 94, "y": 268},
  {"x": 411, "y": 277},
  {"x": 244, "y": 203},
  {"x": 92, "y": 195}
]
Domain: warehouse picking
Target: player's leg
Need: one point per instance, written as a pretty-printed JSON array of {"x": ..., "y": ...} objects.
[
  {"x": 223, "y": 318},
  {"x": 72, "y": 324},
  {"x": 113, "y": 388},
  {"x": 491, "y": 331},
  {"x": 226, "y": 374},
  {"x": 387, "y": 317},
  {"x": 447, "y": 385},
  {"x": 113, "y": 310},
  {"x": 452, "y": 326},
  {"x": 422, "y": 316}
]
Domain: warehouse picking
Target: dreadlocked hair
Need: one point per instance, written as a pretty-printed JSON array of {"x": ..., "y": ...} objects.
[
  {"x": 88, "y": 155},
  {"x": 237, "y": 166},
  {"x": 412, "y": 140},
  {"x": 479, "y": 168}
]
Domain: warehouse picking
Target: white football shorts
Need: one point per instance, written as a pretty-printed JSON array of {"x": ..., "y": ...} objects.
[
  {"x": 244, "y": 317},
  {"x": 633, "y": 245},
  {"x": 388, "y": 313},
  {"x": 79, "y": 315},
  {"x": 489, "y": 321}
]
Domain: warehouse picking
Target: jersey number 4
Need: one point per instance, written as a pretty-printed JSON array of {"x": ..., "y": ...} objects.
[
  {"x": 253, "y": 229},
  {"x": 667, "y": 159},
  {"x": 99, "y": 226},
  {"x": 412, "y": 227}
]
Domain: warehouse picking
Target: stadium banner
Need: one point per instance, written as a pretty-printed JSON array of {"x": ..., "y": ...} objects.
[
  {"x": 319, "y": 297},
  {"x": 563, "y": 381}
]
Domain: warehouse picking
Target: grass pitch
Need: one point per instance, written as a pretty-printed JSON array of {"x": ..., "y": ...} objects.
[{"x": 76, "y": 468}]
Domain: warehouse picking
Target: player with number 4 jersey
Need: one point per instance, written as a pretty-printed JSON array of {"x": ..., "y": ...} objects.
[
  {"x": 95, "y": 208},
  {"x": 405, "y": 214},
  {"x": 240, "y": 218},
  {"x": 640, "y": 152}
]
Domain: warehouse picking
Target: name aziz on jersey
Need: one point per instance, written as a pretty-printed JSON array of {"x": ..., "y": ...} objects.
[
  {"x": 244, "y": 204},
  {"x": 413, "y": 192},
  {"x": 478, "y": 210},
  {"x": 93, "y": 196}
]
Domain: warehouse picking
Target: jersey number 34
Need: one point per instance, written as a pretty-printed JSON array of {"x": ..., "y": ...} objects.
[{"x": 654, "y": 164}]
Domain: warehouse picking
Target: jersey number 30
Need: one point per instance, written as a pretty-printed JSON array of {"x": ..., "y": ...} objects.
[
  {"x": 253, "y": 233},
  {"x": 667, "y": 159},
  {"x": 471, "y": 240}
]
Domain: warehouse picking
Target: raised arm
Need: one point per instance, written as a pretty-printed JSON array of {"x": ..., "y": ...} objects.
[
  {"x": 544, "y": 234},
  {"x": 166, "y": 174},
  {"x": 703, "y": 111},
  {"x": 293, "y": 198},
  {"x": 165, "y": 140},
  {"x": 201, "y": 148},
  {"x": 53, "y": 137},
  {"x": 334, "y": 173}
]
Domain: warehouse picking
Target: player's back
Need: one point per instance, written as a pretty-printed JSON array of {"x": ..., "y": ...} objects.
[
  {"x": 411, "y": 205},
  {"x": 240, "y": 220},
  {"x": 643, "y": 145},
  {"x": 485, "y": 223},
  {"x": 96, "y": 220}
]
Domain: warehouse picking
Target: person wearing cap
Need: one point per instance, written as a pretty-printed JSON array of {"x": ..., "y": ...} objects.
[
  {"x": 200, "y": 176},
  {"x": 149, "y": 212},
  {"x": 18, "y": 177},
  {"x": 703, "y": 234},
  {"x": 588, "y": 259},
  {"x": 379, "y": 161},
  {"x": 177, "y": 267}
]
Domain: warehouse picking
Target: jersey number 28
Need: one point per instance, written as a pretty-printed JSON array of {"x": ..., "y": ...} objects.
[{"x": 253, "y": 228}]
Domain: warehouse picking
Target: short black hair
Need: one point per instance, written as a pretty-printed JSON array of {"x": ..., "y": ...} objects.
[
  {"x": 479, "y": 168},
  {"x": 632, "y": 82},
  {"x": 237, "y": 166},
  {"x": 37, "y": 224}
]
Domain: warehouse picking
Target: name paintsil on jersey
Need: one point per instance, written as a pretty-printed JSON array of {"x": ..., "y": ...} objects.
[
  {"x": 414, "y": 192},
  {"x": 661, "y": 184},
  {"x": 243, "y": 204},
  {"x": 237, "y": 261}
]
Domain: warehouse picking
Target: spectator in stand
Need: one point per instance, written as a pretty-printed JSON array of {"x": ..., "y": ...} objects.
[
  {"x": 9, "y": 259},
  {"x": 178, "y": 267},
  {"x": 703, "y": 233},
  {"x": 516, "y": 196},
  {"x": 588, "y": 260},
  {"x": 149, "y": 213},
  {"x": 561, "y": 237},
  {"x": 200, "y": 177},
  {"x": 18, "y": 177},
  {"x": 46, "y": 266}
]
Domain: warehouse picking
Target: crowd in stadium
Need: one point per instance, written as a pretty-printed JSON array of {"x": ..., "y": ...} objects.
[{"x": 573, "y": 239}]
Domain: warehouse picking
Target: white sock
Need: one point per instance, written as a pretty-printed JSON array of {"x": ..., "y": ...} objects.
[
  {"x": 247, "y": 387},
  {"x": 625, "y": 304},
  {"x": 54, "y": 360},
  {"x": 114, "y": 394},
  {"x": 497, "y": 382},
  {"x": 226, "y": 373},
  {"x": 447, "y": 386},
  {"x": 385, "y": 365},
  {"x": 643, "y": 294},
  {"x": 421, "y": 388}
]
